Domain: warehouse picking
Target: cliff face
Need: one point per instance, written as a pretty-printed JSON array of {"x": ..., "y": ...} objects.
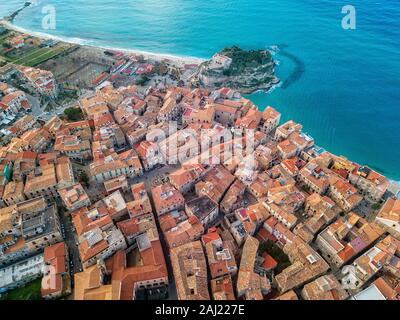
[{"x": 245, "y": 71}]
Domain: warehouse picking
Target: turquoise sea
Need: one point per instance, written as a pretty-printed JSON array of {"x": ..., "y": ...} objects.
[{"x": 342, "y": 85}]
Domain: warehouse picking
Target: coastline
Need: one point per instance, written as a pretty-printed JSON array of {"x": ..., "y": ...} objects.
[
  {"x": 181, "y": 60},
  {"x": 133, "y": 175}
]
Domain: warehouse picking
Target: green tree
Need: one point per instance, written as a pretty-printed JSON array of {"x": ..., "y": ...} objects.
[
  {"x": 376, "y": 206},
  {"x": 73, "y": 114},
  {"x": 277, "y": 253},
  {"x": 143, "y": 80},
  {"x": 84, "y": 179},
  {"x": 30, "y": 291}
]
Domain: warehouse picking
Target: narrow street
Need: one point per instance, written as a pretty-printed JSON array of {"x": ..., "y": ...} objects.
[
  {"x": 35, "y": 105},
  {"x": 71, "y": 242}
]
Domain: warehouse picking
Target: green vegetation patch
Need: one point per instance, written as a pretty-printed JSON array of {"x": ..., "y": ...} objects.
[
  {"x": 84, "y": 179},
  {"x": 73, "y": 114},
  {"x": 40, "y": 56},
  {"x": 243, "y": 61},
  {"x": 32, "y": 55},
  {"x": 142, "y": 80},
  {"x": 376, "y": 206},
  {"x": 44, "y": 57},
  {"x": 277, "y": 253},
  {"x": 29, "y": 292}
]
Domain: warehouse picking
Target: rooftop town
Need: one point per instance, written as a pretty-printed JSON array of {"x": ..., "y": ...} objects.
[{"x": 184, "y": 193}]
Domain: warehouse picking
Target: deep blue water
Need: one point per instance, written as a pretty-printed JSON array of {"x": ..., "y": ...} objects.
[{"x": 342, "y": 85}]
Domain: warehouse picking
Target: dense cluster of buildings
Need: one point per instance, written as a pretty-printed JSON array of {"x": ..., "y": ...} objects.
[
  {"x": 278, "y": 218},
  {"x": 16, "y": 117}
]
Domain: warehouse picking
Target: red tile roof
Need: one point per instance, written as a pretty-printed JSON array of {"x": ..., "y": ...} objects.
[{"x": 269, "y": 262}]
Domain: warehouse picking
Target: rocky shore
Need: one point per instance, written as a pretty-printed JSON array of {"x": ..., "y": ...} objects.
[
  {"x": 245, "y": 71},
  {"x": 233, "y": 67}
]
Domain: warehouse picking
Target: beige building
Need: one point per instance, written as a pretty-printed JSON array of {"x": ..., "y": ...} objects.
[
  {"x": 285, "y": 130},
  {"x": 13, "y": 193},
  {"x": 270, "y": 119},
  {"x": 344, "y": 194},
  {"x": 184, "y": 232},
  {"x": 282, "y": 202},
  {"x": 370, "y": 183},
  {"x": 319, "y": 212},
  {"x": 74, "y": 197},
  {"x": 226, "y": 114},
  {"x": 74, "y": 147},
  {"x": 315, "y": 177},
  {"x": 40, "y": 225},
  {"x": 346, "y": 238},
  {"x": 166, "y": 199},
  {"x": 306, "y": 266},
  {"x": 191, "y": 115},
  {"x": 250, "y": 284},
  {"x": 115, "y": 280},
  {"x": 389, "y": 216},
  {"x": 113, "y": 167},
  {"x": 220, "y": 255},
  {"x": 99, "y": 244},
  {"x": 44, "y": 184},
  {"x": 190, "y": 271},
  {"x": 324, "y": 288}
]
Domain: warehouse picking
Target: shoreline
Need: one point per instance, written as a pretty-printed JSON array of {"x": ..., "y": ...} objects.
[{"x": 182, "y": 60}]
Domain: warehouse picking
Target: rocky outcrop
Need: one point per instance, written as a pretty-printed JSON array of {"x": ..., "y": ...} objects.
[{"x": 245, "y": 71}]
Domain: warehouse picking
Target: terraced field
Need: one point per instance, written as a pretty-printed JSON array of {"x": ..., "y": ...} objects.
[
  {"x": 31, "y": 56},
  {"x": 40, "y": 55}
]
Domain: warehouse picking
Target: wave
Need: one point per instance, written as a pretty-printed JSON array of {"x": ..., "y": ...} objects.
[
  {"x": 275, "y": 86},
  {"x": 93, "y": 44},
  {"x": 268, "y": 91},
  {"x": 395, "y": 188},
  {"x": 43, "y": 35},
  {"x": 395, "y": 182},
  {"x": 274, "y": 49}
]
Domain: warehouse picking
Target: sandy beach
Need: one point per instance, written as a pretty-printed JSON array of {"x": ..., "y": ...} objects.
[{"x": 178, "y": 60}]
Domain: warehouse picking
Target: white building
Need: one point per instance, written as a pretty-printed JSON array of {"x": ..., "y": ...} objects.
[
  {"x": 21, "y": 273},
  {"x": 220, "y": 61}
]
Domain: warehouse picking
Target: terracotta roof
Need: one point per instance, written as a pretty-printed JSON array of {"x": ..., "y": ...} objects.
[
  {"x": 86, "y": 251},
  {"x": 54, "y": 251},
  {"x": 190, "y": 271},
  {"x": 269, "y": 262},
  {"x": 210, "y": 237},
  {"x": 385, "y": 289}
]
